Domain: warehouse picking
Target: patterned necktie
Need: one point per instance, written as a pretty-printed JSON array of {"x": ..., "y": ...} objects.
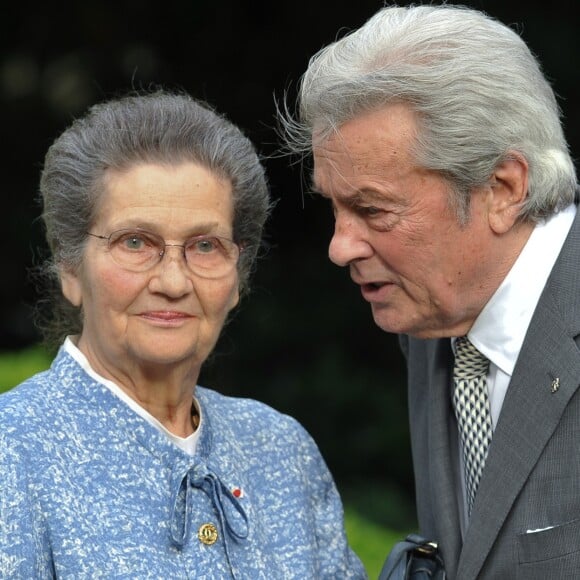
[{"x": 471, "y": 402}]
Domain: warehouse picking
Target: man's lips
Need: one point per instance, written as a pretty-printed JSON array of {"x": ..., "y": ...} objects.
[
  {"x": 375, "y": 291},
  {"x": 370, "y": 286}
]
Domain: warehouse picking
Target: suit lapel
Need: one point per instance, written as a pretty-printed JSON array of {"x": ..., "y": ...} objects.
[
  {"x": 531, "y": 411},
  {"x": 443, "y": 459}
]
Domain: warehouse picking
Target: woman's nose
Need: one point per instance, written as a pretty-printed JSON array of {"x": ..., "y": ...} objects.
[{"x": 172, "y": 275}]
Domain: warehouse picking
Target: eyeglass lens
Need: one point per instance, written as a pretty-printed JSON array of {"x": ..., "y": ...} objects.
[{"x": 209, "y": 256}]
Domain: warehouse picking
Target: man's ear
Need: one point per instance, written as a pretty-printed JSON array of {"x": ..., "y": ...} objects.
[
  {"x": 71, "y": 286},
  {"x": 508, "y": 191}
]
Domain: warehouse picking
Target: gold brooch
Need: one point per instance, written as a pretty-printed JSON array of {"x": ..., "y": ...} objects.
[{"x": 207, "y": 534}]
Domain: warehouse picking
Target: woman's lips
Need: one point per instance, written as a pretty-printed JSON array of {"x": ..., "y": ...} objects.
[{"x": 165, "y": 317}]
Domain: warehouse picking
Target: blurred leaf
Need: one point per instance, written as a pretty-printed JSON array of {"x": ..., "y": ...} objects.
[{"x": 15, "y": 367}]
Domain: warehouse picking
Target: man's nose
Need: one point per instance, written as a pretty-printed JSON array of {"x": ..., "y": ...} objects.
[{"x": 349, "y": 242}]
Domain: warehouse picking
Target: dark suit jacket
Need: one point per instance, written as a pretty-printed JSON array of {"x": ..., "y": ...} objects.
[{"x": 531, "y": 480}]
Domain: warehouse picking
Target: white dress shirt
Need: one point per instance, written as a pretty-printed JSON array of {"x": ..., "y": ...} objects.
[{"x": 500, "y": 329}]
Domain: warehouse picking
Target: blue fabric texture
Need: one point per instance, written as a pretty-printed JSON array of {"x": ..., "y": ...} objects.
[{"x": 91, "y": 490}]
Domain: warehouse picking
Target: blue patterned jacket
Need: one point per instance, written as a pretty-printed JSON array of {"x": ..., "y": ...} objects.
[{"x": 89, "y": 489}]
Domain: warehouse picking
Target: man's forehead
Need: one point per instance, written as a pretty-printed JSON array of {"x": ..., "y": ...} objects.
[
  {"x": 341, "y": 170},
  {"x": 333, "y": 159}
]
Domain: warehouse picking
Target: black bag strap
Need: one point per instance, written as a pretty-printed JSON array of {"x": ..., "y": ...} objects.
[{"x": 397, "y": 562}]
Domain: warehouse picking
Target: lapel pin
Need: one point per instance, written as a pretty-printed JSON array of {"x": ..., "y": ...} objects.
[{"x": 555, "y": 385}]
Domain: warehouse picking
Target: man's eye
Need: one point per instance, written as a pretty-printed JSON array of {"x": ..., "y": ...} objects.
[{"x": 369, "y": 210}]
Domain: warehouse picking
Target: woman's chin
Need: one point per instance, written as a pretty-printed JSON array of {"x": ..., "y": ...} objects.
[{"x": 166, "y": 353}]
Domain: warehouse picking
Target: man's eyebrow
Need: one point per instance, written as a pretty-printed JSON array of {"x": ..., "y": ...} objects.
[
  {"x": 315, "y": 190},
  {"x": 356, "y": 197}
]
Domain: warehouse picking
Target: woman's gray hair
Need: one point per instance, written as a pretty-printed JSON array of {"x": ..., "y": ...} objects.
[
  {"x": 159, "y": 126},
  {"x": 478, "y": 91}
]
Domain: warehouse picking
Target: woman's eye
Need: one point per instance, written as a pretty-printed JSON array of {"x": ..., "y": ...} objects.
[
  {"x": 135, "y": 242},
  {"x": 205, "y": 245}
]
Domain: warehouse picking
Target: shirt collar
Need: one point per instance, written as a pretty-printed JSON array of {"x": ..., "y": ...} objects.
[
  {"x": 188, "y": 444},
  {"x": 500, "y": 329}
]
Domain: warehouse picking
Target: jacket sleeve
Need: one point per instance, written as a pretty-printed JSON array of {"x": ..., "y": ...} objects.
[
  {"x": 24, "y": 546},
  {"x": 336, "y": 559}
]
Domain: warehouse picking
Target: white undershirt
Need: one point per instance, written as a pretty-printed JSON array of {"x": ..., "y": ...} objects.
[
  {"x": 187, "y": 444},
  {"x": 500, "y": 329}
]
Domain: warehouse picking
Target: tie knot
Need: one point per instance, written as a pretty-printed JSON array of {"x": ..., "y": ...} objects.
[{"x": 469, "y": 362}]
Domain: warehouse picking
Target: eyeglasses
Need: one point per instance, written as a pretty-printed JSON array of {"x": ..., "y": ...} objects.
[{"x": 140, "y": 250}]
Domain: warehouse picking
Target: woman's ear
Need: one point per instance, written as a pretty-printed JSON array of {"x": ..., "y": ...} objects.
[
  {"x": 509, "y": 190},
  {"x": 235, "y": 299},
  {"x": 71, "y": 286}
]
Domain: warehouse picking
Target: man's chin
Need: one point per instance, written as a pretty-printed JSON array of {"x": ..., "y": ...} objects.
[
  {"x": 385, "y": 320},
  {"x": 390, "y": 320}
]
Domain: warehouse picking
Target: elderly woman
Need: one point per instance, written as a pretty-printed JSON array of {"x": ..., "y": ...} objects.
[{"x": 113, "y": 464}]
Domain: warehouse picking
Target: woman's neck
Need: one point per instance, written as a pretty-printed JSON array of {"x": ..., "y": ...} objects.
[{"x": 164, "y": 391}]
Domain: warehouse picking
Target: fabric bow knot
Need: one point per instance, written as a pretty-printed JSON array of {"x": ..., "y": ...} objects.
[{"x": 231, "y": 514}]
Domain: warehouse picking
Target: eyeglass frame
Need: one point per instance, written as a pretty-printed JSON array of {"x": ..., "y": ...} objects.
[{"x": 148, "y": 233}]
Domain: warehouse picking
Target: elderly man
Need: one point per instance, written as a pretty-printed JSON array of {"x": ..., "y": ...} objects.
[{"x": 438, "y": 141}]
